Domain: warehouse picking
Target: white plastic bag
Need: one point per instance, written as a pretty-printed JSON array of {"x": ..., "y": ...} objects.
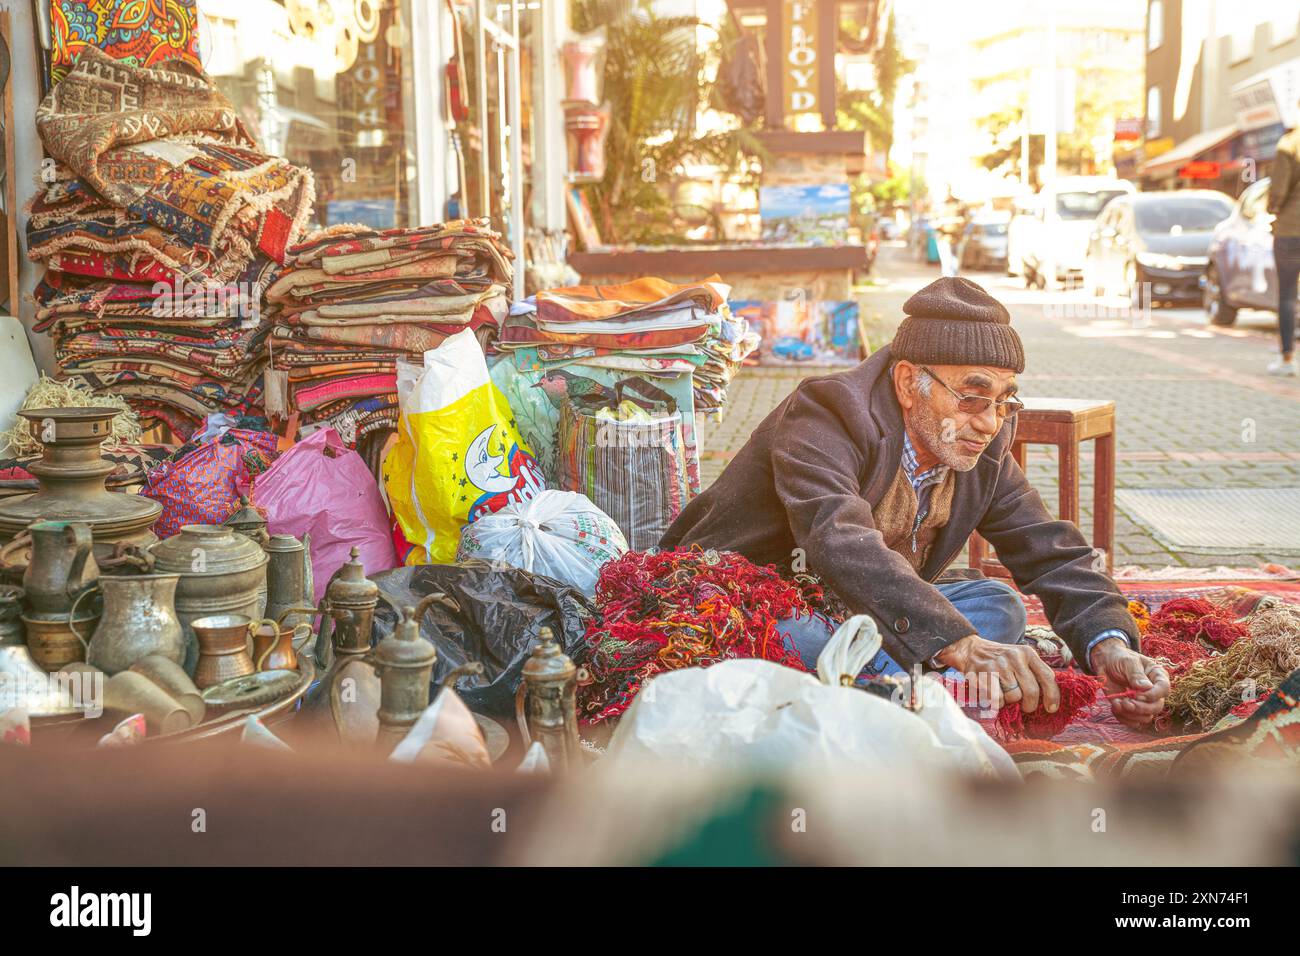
[
  {"x": 740, "y": 713},
  {"x": 560, "y": 534}
]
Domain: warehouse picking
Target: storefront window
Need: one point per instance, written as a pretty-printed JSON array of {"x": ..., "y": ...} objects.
[
  {"x": 327, "y": 84},
  {"x": 490, "y": 88}
]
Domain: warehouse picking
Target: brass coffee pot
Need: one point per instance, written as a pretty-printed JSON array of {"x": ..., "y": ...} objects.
[
  {"x": 546, "y": 703},
  {"x": 288, "y": 582},
  {"x": 248, "y": 521},
  {"x": 349, "y": 615},
  {"x": 404, "y": 661}
]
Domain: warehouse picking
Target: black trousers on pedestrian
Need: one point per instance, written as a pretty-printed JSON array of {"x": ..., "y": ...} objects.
[{"x": 1286, "y": 258}]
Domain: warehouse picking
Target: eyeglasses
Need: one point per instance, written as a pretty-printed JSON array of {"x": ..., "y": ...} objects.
[{"x": 977, "y": 404}]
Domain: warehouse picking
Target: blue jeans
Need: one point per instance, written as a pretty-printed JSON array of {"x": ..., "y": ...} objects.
[
  {"x": 1286, "y": 259},
  {"x": 994, "y": 608}
]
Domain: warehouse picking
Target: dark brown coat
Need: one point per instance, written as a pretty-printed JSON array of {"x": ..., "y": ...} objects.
[{"x": 809, "y": 477}]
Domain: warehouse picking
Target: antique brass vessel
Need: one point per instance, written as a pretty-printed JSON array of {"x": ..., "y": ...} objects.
[
  {"x": 287, "y": 577},
  {"x": 546, "y": 706},
  {"x": 61, "y": 566},
  {"x": 248, "y": 521},
  {"x": 139, "y": 620},
  {"x": 349, "y": 615},
  {"x": 404, "y": 661},
  {"x": 71, "y": 473},
  {"x": 223, "y": 649},
  {"x": 59, "y": 639},
  {"x": 273, "y": 645},
  {"x": 221, "y": 573}
]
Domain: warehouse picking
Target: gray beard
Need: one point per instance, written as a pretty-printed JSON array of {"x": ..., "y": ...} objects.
[{"x": 929, "y": 429}]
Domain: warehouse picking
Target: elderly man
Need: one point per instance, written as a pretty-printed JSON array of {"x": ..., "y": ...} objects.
[{"x": 876, "y": 477}]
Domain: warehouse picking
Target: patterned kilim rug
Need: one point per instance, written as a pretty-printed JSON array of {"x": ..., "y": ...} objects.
[
  {"x": 1271, "y": 733},
  {"x": 1155, "y": 593},
  {"x": 1096, "y": 744}
]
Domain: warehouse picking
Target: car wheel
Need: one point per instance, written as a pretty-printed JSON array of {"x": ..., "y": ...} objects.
[{"x": 1217, "y": 307}]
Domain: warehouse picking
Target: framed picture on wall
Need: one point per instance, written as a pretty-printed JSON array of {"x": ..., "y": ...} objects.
[{"x": 584, "y": 224}]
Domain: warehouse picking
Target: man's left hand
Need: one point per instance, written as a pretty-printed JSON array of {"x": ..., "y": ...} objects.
[{"x": 1125, "y": 669}]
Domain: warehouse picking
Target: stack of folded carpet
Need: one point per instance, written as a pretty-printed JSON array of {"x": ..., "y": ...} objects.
[
  {"x": 648, "y": 325},
  {"x": 355, "y": 300},
  {"x": 160, "y": 225}
]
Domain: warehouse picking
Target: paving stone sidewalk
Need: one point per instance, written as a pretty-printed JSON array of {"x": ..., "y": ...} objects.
[{"x": 1193, "y": 406}]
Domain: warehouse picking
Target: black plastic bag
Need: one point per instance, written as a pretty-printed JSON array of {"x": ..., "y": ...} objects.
[{"x": 502, "y": 609}]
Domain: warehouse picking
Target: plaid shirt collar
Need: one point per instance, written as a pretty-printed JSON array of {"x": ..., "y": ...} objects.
[{"x": 925, "y": 479}]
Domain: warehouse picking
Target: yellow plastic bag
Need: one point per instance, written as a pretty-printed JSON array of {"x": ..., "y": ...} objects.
[{"x": 458, "y": 453}]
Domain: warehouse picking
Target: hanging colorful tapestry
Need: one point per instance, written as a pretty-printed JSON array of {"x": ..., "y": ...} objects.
[{"x": 138, "y": 32}]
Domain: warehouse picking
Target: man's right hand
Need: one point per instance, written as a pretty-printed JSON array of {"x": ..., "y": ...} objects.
[{"x": 1017, "y": 673}]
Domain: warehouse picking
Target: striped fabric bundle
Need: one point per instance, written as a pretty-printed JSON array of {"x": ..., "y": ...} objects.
[{"x": 634, "y": 471}]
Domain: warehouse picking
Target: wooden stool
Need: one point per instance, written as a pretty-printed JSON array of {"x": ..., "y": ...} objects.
[{"x": 1065, "y": 422}]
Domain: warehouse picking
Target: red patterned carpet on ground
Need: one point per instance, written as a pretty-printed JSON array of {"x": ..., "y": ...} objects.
[
  {"x": 1097, "y": 744},
  {"x": 1155, "y": 593}
]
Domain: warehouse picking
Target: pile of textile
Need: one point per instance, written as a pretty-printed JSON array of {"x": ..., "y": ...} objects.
[
  {"x": 1224, "y": 657},
  {"x": 685, "y": 608},
  {"x": 355, "y": 300},
  {"x": 648, "y": 325},
  {"x": 1269, "y": 734},
  {"x": 1223, "y": 664},
  {"x": 160, "y": 224}
]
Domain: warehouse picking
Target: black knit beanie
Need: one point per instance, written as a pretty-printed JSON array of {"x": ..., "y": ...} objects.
[{"x": 953, "y": 321}]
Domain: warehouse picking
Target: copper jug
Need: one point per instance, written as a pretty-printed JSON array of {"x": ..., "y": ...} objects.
[
  {"x": 139, "y": 620},
  {"x": 223, "y": 649},
  {"x": 273, "y": 645},
  {"x": 62, "y": 566}
]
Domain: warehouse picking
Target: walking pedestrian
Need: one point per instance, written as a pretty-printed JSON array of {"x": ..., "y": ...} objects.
[{"x": 1284, "y": 204}]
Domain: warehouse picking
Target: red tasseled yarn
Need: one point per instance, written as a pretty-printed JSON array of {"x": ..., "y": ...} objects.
[
  {"x": 1078, "y": 693},
  {"x": 1181, "y": 655},
  {"x": 1187, "y": 619}
]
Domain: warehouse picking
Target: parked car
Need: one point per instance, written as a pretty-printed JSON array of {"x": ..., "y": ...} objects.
[
  {"x": 1076, "y": 201},
  {"x": 1023, "y": 212},
  {"x": 983, "y": 243},
  {"x": 889, "y": 229},
  {"x": 1241, "y": 273},
  {"x": 793, "y": 348},
  {"x": 1160, "y": 238}
]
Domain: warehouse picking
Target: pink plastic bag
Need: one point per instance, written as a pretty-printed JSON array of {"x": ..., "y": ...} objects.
[{"x": 322, "y": 488}]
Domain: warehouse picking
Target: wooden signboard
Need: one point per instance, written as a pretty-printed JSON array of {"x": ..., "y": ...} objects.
[{"x": 801, "y": 47}]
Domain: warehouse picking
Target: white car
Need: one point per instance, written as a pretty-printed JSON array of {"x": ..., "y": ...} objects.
[{"x": 1062, "y": 235}]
